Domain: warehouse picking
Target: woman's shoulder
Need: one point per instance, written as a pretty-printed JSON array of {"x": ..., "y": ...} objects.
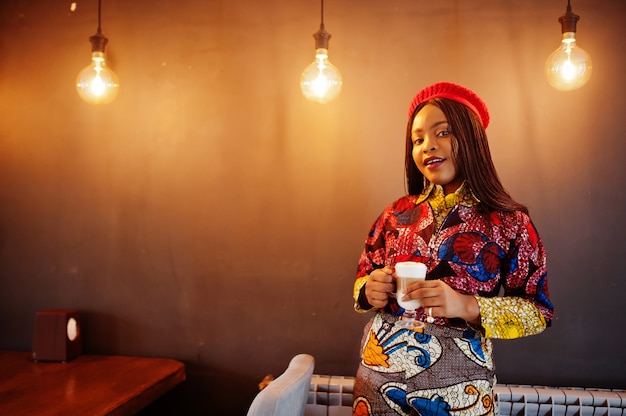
[
  {"x": 512, "y": 220},
  {"x": 517, "y": 216},
  {"x": 401, "y": 210},
  {"x": 403, "y": 204},
  {"x": 508, "y": 219}
]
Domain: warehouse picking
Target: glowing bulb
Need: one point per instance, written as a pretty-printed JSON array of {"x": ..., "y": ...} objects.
[
  {"x": 569, "y": 66},
  {"x": 96, "y": 83},
  {"x": 321, "y": 81}
]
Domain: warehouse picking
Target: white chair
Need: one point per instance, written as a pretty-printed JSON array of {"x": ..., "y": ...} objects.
[{"x": 287, "y": 394}]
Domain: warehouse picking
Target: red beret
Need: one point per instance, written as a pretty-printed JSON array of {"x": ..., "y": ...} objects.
[{"x": 456, "y": 93}]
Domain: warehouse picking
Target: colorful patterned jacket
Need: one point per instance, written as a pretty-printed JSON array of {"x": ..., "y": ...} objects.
[{"x": 497, "y": 257}]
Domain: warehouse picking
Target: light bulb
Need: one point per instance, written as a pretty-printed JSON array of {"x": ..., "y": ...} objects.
[
  {"x": 569, "y": 66},
  {"x": 321, "y": 81},
  {"x": 97, "y": 83}
]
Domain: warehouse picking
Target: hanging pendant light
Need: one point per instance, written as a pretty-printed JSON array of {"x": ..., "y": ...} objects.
[
  {"x": 97, "y": 83},
  {"x": 321, "y": 81},
  {"x": 568, "y": 67}
]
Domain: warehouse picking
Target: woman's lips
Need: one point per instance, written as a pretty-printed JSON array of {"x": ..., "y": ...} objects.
[{"x": 433, "y": 162}]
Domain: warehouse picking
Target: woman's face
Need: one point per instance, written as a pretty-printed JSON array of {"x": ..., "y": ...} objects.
[{"x": 432, "y": 148}]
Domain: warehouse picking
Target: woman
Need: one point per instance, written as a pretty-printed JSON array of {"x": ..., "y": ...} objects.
[{"x": 486, "y": 264}]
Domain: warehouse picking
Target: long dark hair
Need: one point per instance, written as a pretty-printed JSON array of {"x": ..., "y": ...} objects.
[{"x": 471, "y": 153}]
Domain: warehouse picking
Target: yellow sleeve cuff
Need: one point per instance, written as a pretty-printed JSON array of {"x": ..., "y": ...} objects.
[
  {"x": 509, "y": 317},
  {"x": 358, "y": 285}
]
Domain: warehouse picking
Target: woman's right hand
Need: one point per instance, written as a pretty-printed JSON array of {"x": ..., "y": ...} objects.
[{"x": 378, "y": 286}]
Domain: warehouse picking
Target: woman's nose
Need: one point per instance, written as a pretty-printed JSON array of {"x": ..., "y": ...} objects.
[{"x": 430, "y": 144}]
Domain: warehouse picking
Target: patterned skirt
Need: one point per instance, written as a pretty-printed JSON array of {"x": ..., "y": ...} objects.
[{"x": 436, "y": 370}]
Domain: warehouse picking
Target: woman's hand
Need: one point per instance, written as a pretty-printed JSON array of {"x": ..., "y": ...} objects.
[
  {"x": 440, "y": 300},
  {"x": 378, "y": 286}
]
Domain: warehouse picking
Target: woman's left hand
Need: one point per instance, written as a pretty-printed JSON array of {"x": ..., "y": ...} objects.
[{"x": 440, "y": 300}]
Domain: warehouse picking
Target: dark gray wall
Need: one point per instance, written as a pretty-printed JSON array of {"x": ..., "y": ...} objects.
[{"x": 213, "y": 215}]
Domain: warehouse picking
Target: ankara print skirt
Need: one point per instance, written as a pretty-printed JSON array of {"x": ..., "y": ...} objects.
[{"x": 432, "y": 371}]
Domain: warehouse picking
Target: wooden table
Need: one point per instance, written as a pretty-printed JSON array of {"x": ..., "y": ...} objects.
[{"x": 87, "y": 385}]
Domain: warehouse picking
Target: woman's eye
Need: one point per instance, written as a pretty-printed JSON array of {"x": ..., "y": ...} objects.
[
  {"x": 443, "y": 133},
  {"x": 418, "y": 140}
]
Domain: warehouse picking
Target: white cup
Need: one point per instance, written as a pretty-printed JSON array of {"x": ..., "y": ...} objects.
[{"x": 407, "y": 273}]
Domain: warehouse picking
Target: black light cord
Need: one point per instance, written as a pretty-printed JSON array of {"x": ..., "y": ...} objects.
[
  {"x": 98, "y": 41},
  {"x": 568, "y": 20},
  {"x": 99, "y": 12},
  {"x": 321, "y": 36}
]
